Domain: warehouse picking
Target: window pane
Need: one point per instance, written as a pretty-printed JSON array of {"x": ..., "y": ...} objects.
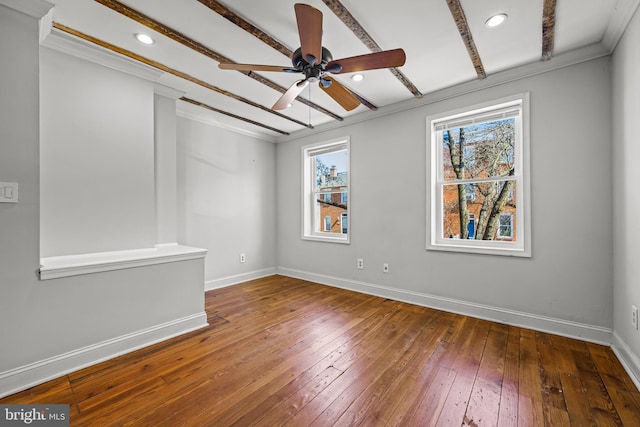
[
  {"x": 331, "y": 170},
  {"x": 483, "y": 216},
  {"x": 331, "y": 184},
  {"x": 333, "y": 217},
  {"x": 483, "y": 150}
]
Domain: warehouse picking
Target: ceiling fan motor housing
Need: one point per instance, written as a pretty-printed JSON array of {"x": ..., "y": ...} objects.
[{"x": 313, "y": 72}]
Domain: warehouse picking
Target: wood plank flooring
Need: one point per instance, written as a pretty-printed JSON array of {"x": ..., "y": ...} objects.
[{"x": 281, "y": 351}]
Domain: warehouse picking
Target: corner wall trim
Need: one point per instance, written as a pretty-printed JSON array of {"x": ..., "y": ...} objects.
[
  {"x": 238, "y": 278},
  {"x": 627, "y": 358},
  {"x": 591, "y": 333},
  {"x": 27, "y": 376}
]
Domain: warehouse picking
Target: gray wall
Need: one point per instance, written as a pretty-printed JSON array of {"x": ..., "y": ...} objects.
[
  {"x": 226, "y": 200},
  {"x": 19, "y": 223},
  {"x": 94, "y": 198},
  {"x": 626, "y": 152},
  {"x": 52, "y": 326},
  {"x": 570, "y": 274}
]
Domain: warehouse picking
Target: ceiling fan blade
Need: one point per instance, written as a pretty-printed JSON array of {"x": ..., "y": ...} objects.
[
  {"x": 256, "y": 67},
  {"x": 290, "y": 95},
  {"x": 340, "y": 94},
  {"x": 371, "y": 61},
  {"x": 310, "y": 29}
]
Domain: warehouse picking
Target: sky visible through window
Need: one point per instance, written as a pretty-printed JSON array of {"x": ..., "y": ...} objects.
[{"x": 337, "y": 158}]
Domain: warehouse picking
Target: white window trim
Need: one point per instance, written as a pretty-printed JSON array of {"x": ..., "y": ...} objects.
[
  {"x": 308, "y": 204},
  {"x": 435, "y": 241}
]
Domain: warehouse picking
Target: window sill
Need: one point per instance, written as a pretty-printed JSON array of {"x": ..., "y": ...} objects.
[
  {"x": 480, "y": 250},
  {"x": 341, "y": 240},
  {"x": 75, "y": 265}
]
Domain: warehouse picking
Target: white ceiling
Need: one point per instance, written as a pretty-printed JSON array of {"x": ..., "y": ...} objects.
[{"x": 436, "y": 54}]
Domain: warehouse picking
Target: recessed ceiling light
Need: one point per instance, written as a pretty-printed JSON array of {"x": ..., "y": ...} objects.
[
  {"x": 143, "y": 38},
  {"x": 357, "y": 77},
  {"x": 496, "y": 20}
]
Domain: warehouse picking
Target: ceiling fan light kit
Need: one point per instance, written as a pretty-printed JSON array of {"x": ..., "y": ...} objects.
[{"x": 315, "y": 62}]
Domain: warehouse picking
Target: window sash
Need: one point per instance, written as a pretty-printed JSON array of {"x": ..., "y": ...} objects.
[
  {"x": 517, "y": 148},
  {"x": 478, "y": 117}
]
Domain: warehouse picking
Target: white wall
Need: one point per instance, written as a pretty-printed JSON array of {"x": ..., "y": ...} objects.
[
  {"x": 166, "y": 168},
  {"x": 95, "y": 198},
  {"x": 226, "y": 200},
  {"x": 569, "y": 277},
  {"x": 626, "y": 152}
]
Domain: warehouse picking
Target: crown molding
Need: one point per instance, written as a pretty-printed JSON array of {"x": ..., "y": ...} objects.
[
  {"x": 167, "y": 92},
  {"x": 71, "y": 45},
  {"x": 622, "y": 14},
  {"x": 39, "y": 9},
  {"x": 577, "y": 56},
  {"x": 33, "y": 8}
]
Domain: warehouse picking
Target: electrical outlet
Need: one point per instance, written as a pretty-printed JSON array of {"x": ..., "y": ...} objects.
[
  {"x": 8, "y": 192},
  {"x": 243, "y": 258},
  {"x": 360, "y": 264},
  {"x": 385, "y": 268},
  {"x": 634, "y": 316}
]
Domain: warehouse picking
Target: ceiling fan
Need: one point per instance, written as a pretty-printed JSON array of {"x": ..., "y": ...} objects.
[{"x": 315, "y": 62}]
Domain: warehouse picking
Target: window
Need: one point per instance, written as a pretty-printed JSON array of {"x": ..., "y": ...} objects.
[
  {"x": 470, "y": 190},
  {"x": 506, "y": 226},
  {"x": 479, "y": 179},
  {"x": 327, "y": 223},
  {"x": 326, "y": 191}
]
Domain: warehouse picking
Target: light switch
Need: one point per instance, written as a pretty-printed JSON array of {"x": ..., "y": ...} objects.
[{"x": 8, "y": 192}]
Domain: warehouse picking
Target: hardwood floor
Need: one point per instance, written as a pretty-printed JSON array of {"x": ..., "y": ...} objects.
[{"x": 281, "y": 351}]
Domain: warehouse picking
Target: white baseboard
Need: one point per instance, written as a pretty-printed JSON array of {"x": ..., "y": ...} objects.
[
  {"x": 591, "y": 333},
  {"x": 238, "y": 278},
  {"x": 39, "y": 372},
  {"x": 627, "y": 358}
]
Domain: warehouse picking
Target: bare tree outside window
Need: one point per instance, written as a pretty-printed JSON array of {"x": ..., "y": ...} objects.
[
  {"x": 481, "y": 157},
  {"x": 479, "y": 199}
]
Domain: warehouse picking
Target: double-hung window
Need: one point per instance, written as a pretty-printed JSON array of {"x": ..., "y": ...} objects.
[
  {"x": 325, "y": 169},
  {"x": 479, "y": 180}
]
